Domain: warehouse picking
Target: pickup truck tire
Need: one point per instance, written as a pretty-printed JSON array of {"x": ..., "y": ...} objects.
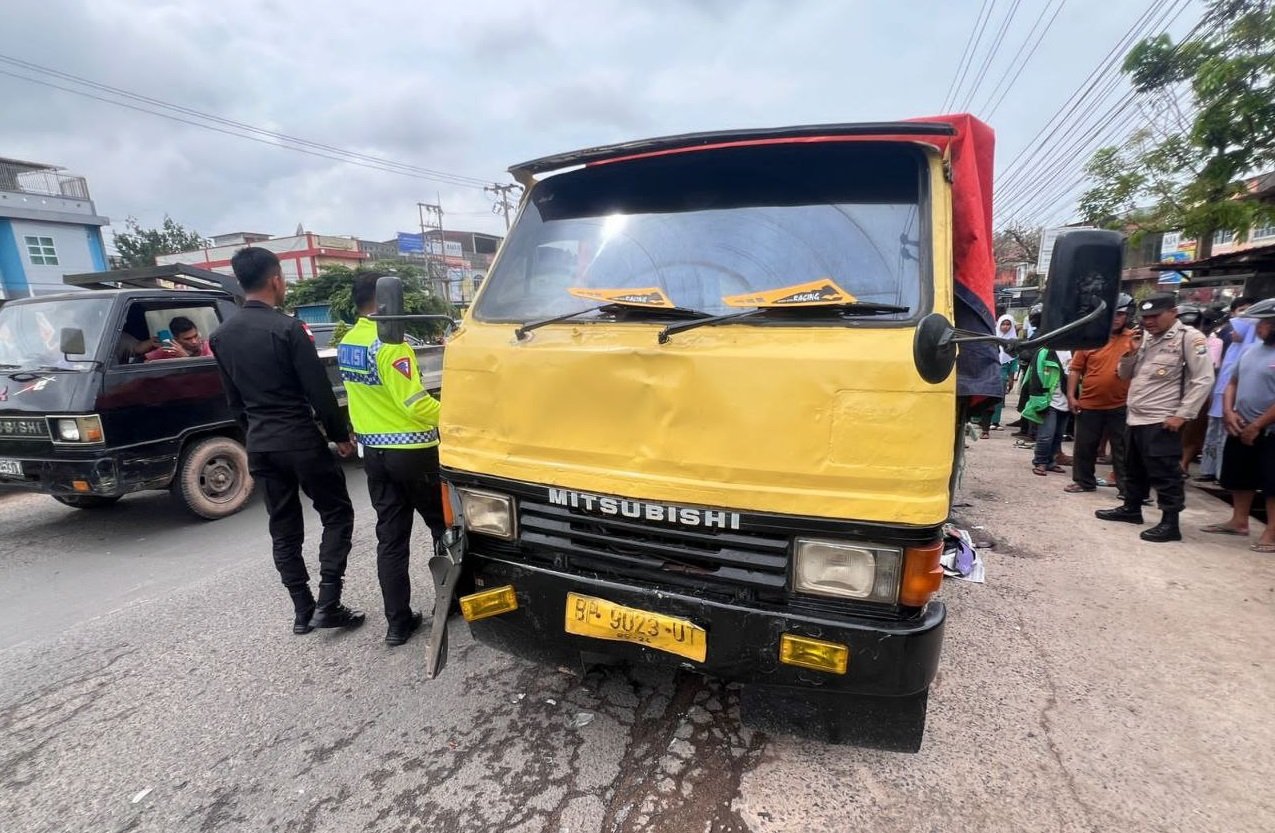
[
  {"x": 212, "y": 478},
  {"x": 86, "y": 501}
]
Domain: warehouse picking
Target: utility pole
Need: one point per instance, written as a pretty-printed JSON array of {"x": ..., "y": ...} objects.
[
  {"x": 431, "y": 216},
  {"x": 501, "y": 194}
]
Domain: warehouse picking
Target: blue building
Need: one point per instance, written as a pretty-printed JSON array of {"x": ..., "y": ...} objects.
[{"x": 48, "y": 228}]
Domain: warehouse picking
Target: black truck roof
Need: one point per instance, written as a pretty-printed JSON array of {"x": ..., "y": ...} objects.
[
  {"x": 148, "y": 278},
  {"x": 602, "y": 153},
  {"x": 128, "y": 294}
]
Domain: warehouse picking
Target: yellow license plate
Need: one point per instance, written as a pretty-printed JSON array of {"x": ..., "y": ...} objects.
[{"x": 600, "y": 619}]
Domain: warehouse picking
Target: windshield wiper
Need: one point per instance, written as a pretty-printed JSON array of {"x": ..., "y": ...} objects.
[
  {"x": 615, "y": 309},
  {"x": 851, "y": 309}
]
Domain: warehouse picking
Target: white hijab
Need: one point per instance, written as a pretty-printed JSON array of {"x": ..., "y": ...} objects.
[{"x": 1006, "y": 358}]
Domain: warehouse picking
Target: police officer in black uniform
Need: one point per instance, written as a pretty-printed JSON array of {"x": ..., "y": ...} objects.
[{"x": 277, "y": 386}]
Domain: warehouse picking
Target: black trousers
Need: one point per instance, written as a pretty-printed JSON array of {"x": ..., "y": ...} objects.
[
  {"x": 402, "y": 482},
  {"x": 314, "y": 471},
  {"x": 1153, "y": 459},
  {"x": 1090, "y": 426}
]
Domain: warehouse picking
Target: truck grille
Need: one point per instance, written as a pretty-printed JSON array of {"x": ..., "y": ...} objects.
[{"x": 727, "y": 562}]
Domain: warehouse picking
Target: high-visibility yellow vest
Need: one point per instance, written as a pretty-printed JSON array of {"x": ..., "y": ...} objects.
[{"x": 389, "y": 406}]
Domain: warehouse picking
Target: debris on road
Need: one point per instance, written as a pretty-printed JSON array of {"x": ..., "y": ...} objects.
[
  {"x": 960, "y": 557},
  {"x": 142, "y": 795}
]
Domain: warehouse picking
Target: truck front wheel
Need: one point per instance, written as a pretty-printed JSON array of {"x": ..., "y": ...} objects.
[
  {"x": 86, "y": 501},
  {"x": 212, "y": 479}
]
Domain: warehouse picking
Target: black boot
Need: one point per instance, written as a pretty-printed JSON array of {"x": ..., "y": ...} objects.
[
  {"x": 303, "y": 602},
  {"x": 330, "y": 613},
  {"x": 1126, "y": 514},
  {"x": 399, "y": 632},
  {"x": 1165, "y": 531}
]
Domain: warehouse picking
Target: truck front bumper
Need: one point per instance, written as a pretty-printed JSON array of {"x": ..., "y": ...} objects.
[
  {"x": 103, "y": 476},
  {"x": 888, "y": 658}
]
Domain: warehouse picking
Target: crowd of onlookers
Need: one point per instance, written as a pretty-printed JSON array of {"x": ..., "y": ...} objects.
[{"x": 1172, "y": 385}]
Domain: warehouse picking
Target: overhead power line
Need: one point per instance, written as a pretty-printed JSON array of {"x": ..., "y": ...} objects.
[
  {"x": 990, "y": 58},
  {"x": 1050, "y": 191},
  {"x": 967, "y": 56},
  {"x": 196, "y": 118},
  {"x": 1001, "y": 89},
  {"x": 1068, "y": 110}
]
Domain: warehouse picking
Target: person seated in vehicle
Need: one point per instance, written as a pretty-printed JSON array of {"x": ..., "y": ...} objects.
[
  {"x": 131, "y": 349},
  {"x": 186, "y": 342}
]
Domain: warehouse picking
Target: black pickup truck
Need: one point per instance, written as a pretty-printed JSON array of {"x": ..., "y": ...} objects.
[{"x": 85, "y": 420}]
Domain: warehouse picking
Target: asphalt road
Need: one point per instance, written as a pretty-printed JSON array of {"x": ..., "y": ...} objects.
[{"x": 149, "y": 682}]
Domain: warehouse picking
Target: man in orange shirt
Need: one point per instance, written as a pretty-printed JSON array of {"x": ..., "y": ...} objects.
[{"x": 1097, "y": 396}]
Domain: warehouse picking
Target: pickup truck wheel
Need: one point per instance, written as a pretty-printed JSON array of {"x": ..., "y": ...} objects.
[
  {"x": 86, "y": 501},
  {"x": 212, "y": 479}
]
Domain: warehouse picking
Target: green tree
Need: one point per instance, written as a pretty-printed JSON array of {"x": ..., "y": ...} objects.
[
  {"x": 334, "y": 285},
  {"x": 1185, "y": 169},
  {"x": 140, "y": 246}
]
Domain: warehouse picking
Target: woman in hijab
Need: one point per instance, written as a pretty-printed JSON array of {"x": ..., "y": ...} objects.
[{"x": 1006, "y": 331}]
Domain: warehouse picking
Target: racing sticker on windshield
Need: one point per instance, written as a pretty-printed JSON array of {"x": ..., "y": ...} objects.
[
  {"x": 646, "y": 297},
  {"x": 823, "y": 292}
]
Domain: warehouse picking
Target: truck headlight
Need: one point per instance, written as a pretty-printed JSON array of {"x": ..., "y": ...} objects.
[
  {"x": 848, "y": 571},
  {"x": 85, "y": 429},
  {"x": 488, "y": 513}
]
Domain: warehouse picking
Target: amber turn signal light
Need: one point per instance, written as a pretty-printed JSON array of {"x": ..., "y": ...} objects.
[
  {"x": 449, "y": 515},
  {"x": 922, "y": 574},
  {"x": 805, "y": 652},
  {"x": 491, "y": 602}
]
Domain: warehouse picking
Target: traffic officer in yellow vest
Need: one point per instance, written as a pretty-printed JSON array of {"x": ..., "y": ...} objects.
[
  {"x": 1171, "y": 375},
  {"x": 396, "y": 421}
]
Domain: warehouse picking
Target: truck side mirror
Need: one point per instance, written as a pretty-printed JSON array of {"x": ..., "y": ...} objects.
[
  {"x": 389, "y": 301},
  {"x": 1084, "y": 271},
  {"x": 72, "y": 341}
]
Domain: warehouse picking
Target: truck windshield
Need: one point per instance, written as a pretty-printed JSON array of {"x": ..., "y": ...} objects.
[
  {"x": 709, "y": 224},
  {"x": 30, "y": 334}
]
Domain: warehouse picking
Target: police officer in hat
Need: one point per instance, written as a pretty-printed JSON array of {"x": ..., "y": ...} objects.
[
  {"x": 1171, "y": 376},
  {"x": 396, "y": 421},
  {"x": 277, "y": 389}
]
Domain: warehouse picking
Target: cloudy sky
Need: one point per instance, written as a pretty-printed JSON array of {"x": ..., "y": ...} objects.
[{"x": 471, "y": 87}]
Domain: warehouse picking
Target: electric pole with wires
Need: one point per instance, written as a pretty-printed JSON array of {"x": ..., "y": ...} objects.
[
  {"x": 431, "y": 216},
  {"x": 501, "y": 193}
]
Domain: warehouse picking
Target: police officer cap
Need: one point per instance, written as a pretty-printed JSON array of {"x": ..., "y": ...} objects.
[
  {"x": 1262, "y": 309},
  {"x": 1157, "y": 302}
]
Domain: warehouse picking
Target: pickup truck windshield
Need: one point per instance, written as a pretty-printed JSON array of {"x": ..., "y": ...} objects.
[
  {"x": 30, "y": 334},
  {"x": 709, "y": 224}
]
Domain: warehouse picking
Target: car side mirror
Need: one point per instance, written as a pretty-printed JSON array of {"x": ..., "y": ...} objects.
[
  {"x": 1083, "y": 273},
  {"x": 72, "y": 341},
  {"x": 389, "y": 301}
]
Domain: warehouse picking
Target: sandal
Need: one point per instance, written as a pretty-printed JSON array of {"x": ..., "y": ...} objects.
[
  {"x": 1039, "y": 470},
  {"x": 985, "y": 436},
  {"x": 1104, "y": 482},
  {"x": 1076, "y": 488},
  {"x": 1223, "y": 529},
  {"x": 1263, "y": 547},
  {"x": 1057, "y": 468}
]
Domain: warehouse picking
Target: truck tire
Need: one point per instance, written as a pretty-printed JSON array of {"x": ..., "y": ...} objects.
[
  {"x": 86, "y": 501},
  {"x": 212, "y": 478}
]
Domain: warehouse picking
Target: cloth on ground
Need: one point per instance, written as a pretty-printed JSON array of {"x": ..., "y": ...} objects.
[{"x": 960, "y": 558}]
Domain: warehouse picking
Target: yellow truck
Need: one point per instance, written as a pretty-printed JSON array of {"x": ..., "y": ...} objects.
[{"x": 702, "y": 412}]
